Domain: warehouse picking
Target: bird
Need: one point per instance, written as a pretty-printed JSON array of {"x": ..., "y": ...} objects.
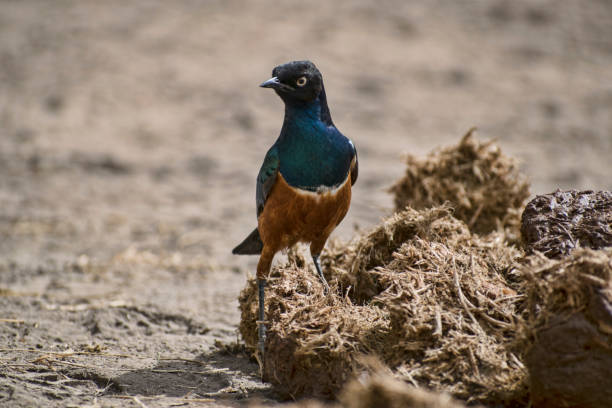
[{"x": 303, "y": 188}]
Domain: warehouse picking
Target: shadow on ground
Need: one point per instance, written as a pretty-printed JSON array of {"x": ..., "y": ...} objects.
[{"x": 217, "y": 375}]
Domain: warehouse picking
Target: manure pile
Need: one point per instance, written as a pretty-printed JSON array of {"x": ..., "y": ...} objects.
[
  {"x": 557, "y": 223},
  {"x": 439, "y": 293},
  {"x": 427, "y": 297},
  {"x": 484, "y": 186},
  {"x": 569, "y": 329}
]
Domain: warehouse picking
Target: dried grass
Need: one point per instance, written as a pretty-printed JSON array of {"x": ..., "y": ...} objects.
[
  {"x": 379, "y": 388},
  {"x": 564, "y": 286},
  {"x": 420, "y": 292},
  {"x": 312, "y": 339},
  {"x": 382, "y": 389},
  {"x": 483, "y": 185}
]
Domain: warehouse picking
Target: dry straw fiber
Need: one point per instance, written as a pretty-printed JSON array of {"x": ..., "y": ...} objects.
[
  {"x": 482, "y": 184},
  {"x": 421, "y": 292},
  {"x": 381, "y": 389}
]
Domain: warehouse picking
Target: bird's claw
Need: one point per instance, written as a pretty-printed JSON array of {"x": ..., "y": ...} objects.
[{"x": 326, "y": 289}]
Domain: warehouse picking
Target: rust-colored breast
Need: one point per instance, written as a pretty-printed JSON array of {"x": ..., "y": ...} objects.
[{"x": 292, "y": 215}]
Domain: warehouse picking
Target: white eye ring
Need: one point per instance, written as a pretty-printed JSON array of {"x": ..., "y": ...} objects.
[{"x": 301, "y": 81}]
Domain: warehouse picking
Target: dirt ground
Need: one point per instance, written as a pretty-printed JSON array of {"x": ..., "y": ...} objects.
[{"x": 131, "y": 134}]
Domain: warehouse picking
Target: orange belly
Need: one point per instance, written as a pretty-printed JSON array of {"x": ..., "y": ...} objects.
[{"x": 291, "y": 216}]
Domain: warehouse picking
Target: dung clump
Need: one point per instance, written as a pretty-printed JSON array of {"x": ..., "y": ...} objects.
[
  {"x": 380, "y": 388},
  {"x": 311, "y": 338},
  {"x": 452, "y": 310},
  {"x": 483, "y": 185},
  {"x": 420, "y": 292},
  {"x": 568, "y": 327},
  {"x": 384, "y": 390},
  {"x": 376, "y": 248},
  {"x": 557, "y": 223}
]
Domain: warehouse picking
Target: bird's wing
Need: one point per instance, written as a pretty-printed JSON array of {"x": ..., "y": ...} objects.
[
  {"x": 354, "y": 165},
  {"x": 266, "y": 178}
]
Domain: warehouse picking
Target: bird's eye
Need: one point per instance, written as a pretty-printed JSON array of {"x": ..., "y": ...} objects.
[{"x": 301, "y": 81}]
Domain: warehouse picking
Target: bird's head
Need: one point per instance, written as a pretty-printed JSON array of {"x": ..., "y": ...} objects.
[{"x": 298, "y": 81}]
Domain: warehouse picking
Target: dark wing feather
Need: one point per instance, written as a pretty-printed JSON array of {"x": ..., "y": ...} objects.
[
  {"x": 266, "y": 178},
  {"x": 354, "y": 165}
]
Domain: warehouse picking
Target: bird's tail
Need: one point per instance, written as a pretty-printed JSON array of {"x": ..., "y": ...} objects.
[{"x": 252, "y": 245}]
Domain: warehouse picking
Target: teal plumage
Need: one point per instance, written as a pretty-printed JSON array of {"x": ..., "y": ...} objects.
[{"x": 312, "y": 153}]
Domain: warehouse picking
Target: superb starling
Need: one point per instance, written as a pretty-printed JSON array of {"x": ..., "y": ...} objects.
[{"x": 304, "y": 184}]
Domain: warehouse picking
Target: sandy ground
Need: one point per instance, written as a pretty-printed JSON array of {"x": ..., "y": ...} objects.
[{"x": 131, "y": 134}]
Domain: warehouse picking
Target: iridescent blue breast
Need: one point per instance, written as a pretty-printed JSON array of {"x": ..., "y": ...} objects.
[{"x": 313, "y": 154}]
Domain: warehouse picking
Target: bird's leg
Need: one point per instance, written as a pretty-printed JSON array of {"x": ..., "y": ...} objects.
[
  {"x": 261, "y": 324},
  {"x": 263, "y": 269},
  {"x": 315, "y": 259}
]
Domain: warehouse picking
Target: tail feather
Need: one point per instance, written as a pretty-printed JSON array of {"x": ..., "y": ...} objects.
[{"x": 252, "y": 245}]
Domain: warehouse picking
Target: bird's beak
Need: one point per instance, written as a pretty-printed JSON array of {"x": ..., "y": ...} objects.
[
  {"x": 275, "y": 83},
  {"x": 271, "y": 83}
]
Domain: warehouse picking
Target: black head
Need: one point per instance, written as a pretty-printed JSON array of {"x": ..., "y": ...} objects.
[{"x": 296, "y": 81}]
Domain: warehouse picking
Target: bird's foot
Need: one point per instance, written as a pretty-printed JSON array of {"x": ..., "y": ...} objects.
[
  {"x": 260, "y": 355},
  {"x": 325, "y": 287},
  {"x": 315, "y": 259},
  {"x": 261, "y": 366}
]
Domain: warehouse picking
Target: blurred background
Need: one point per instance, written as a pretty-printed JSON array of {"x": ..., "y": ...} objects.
[
  {"x": 140, "y": 125},
  {"x": 131, "y": 132}
]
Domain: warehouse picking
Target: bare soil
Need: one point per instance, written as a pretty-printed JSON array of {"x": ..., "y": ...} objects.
[{"x": 131, "y": 134}]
